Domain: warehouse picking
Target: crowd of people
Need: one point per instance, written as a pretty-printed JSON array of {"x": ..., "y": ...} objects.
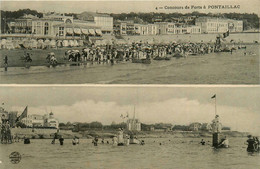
[
  {"x": 133, "y": 52},
  {"x": 253, "y": 144},
  {"x": 6, "y": 136},
  {"x": 139, "y": 51}
]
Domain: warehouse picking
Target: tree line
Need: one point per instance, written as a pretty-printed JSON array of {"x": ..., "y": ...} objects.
[{"x": 250, "y": 21}]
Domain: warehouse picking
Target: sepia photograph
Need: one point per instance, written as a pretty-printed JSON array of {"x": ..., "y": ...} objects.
[
  {"x": 130, "y": 127},
  {"x": 129, "y": 42},
  {"x": 129, "y": 84}
]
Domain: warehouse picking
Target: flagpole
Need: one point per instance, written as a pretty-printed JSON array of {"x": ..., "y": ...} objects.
[{"x": 216, "y": 105}]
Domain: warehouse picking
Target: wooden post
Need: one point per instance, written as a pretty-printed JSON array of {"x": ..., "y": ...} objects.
[{"x": 215, "y": 139}]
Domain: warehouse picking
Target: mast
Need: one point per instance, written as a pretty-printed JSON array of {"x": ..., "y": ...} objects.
[{"x": 134, "y": 112}]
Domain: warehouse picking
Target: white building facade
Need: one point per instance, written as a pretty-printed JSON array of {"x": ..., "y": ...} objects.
[
  {"x": 35, "y": 120},
  {"x": 218, "y": 25},
  {"x": 133, "y": 125}
]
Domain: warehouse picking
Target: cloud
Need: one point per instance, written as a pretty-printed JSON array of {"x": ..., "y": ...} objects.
[{"x": 175, "y": 111}]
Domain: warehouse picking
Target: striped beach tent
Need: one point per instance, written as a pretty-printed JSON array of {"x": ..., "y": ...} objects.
[
  {"x": 65, "y": 43},
  {"x": 53, "y": 43},
  {"x": 40, "y": 44}
]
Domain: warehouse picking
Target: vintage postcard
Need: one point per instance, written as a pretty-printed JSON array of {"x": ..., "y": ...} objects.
[
  {"x": 129, "y": 127},
  {"x": 129, "y": 42}
]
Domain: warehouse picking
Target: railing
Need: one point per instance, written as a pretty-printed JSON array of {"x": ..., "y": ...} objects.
[{"x": 40, "y": 36}]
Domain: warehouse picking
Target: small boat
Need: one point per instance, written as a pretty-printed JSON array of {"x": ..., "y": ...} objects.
[
  {"x": 144, "y": 61},
  {"x": 241, "y": 47},
  {"x": 226, "y": 49},
  {"x": 161, "y": 58},
  {"x": 190, "y": 53},
  {"x": 178, "y": 55},
  {"x": 158, "y": 58},
  {"x": 120, "y": 144},
  {"x": 134, "y": 141}
]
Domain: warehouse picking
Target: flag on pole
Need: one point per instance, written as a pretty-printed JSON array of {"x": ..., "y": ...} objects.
[
  {"x": 23, "y": 115},
  {"x": 226, "y": 34},
  {"x": 214, "y": 96}
]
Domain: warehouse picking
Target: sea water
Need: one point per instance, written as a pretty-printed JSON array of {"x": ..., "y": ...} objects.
[{"x": 173, "y": 153}]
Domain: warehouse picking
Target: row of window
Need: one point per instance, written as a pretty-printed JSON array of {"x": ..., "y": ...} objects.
[{"x": 217, "y": 24}]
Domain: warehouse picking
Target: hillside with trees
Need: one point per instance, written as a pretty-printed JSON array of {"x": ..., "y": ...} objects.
[{"x": 251, "y": 21}]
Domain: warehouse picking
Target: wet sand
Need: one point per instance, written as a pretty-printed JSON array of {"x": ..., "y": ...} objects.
[{"x": 214, "y": 68}]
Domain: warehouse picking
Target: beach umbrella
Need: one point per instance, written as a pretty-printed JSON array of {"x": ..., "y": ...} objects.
[
  {"x": 52, "y": 54},
  {"x": 40, "y": 44},
  {"x": 34, "y": 43},
  {"x": 25, "y": 43},
  {"x": 3, "y": 42},
  {"x": 65, "y": 43},
  {"x": 47, "y": 43},
  {"x": 9, "y": 44},
  {"x": 53, "y": 43},
  {"x": 59, "y": 43},
  {"x": 16, "y": 44},
  {"x": 71, "y": 43},
  {"x": 76, "y": 43},
  {"x": 80, "y": 43}
]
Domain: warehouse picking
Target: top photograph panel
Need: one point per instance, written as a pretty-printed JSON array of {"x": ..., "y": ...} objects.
[{"x": 129, "y": 42}]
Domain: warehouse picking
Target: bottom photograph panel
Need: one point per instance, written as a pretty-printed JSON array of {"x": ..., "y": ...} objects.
[{"x": 129, "y": 127}]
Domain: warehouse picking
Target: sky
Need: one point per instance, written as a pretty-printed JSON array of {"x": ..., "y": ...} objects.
[
  {"x": 106, "y": 6},
  {"x": 238, "y": 107}
]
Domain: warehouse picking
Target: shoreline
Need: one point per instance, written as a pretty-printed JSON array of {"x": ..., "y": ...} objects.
[{"x": 109, "y": 134}]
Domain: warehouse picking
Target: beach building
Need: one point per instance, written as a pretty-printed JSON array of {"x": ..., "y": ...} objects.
[
  {"x": 180, "y": 29},
  {"x": 192, "y": 29},
  {"x": 152, "y": 29},
  {"x": 35, "y": 120},
  {"x": 171, "y": 28},
  {"x": 22, "y": 25},
  {"x": 162, "y": 28},
  {"x": 59, "y": 26},
  {"x": 218, "y": 25},
  {"x": 101, "y": 20},
  {"x": 195, "y": 126},
  {"x": 143, "y": 29},
  {"x": 50, "y": 121},
  {"x": 235, "y": 25},
  {"x": 64, "y": 26},
  {"x": 130, "y": 28},
  {"x": 120, "y": 27},
  {"x": 125, "y": 27},
  {"x": 133, "y": 124}
]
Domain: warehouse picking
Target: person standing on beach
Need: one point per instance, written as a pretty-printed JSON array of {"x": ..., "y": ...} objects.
[
  {"x": 6, "y": 60},
  {"x": 61, "y": 139},
  {"x": 250, "y": 144},
  {"x": 202, "y": 142}
]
